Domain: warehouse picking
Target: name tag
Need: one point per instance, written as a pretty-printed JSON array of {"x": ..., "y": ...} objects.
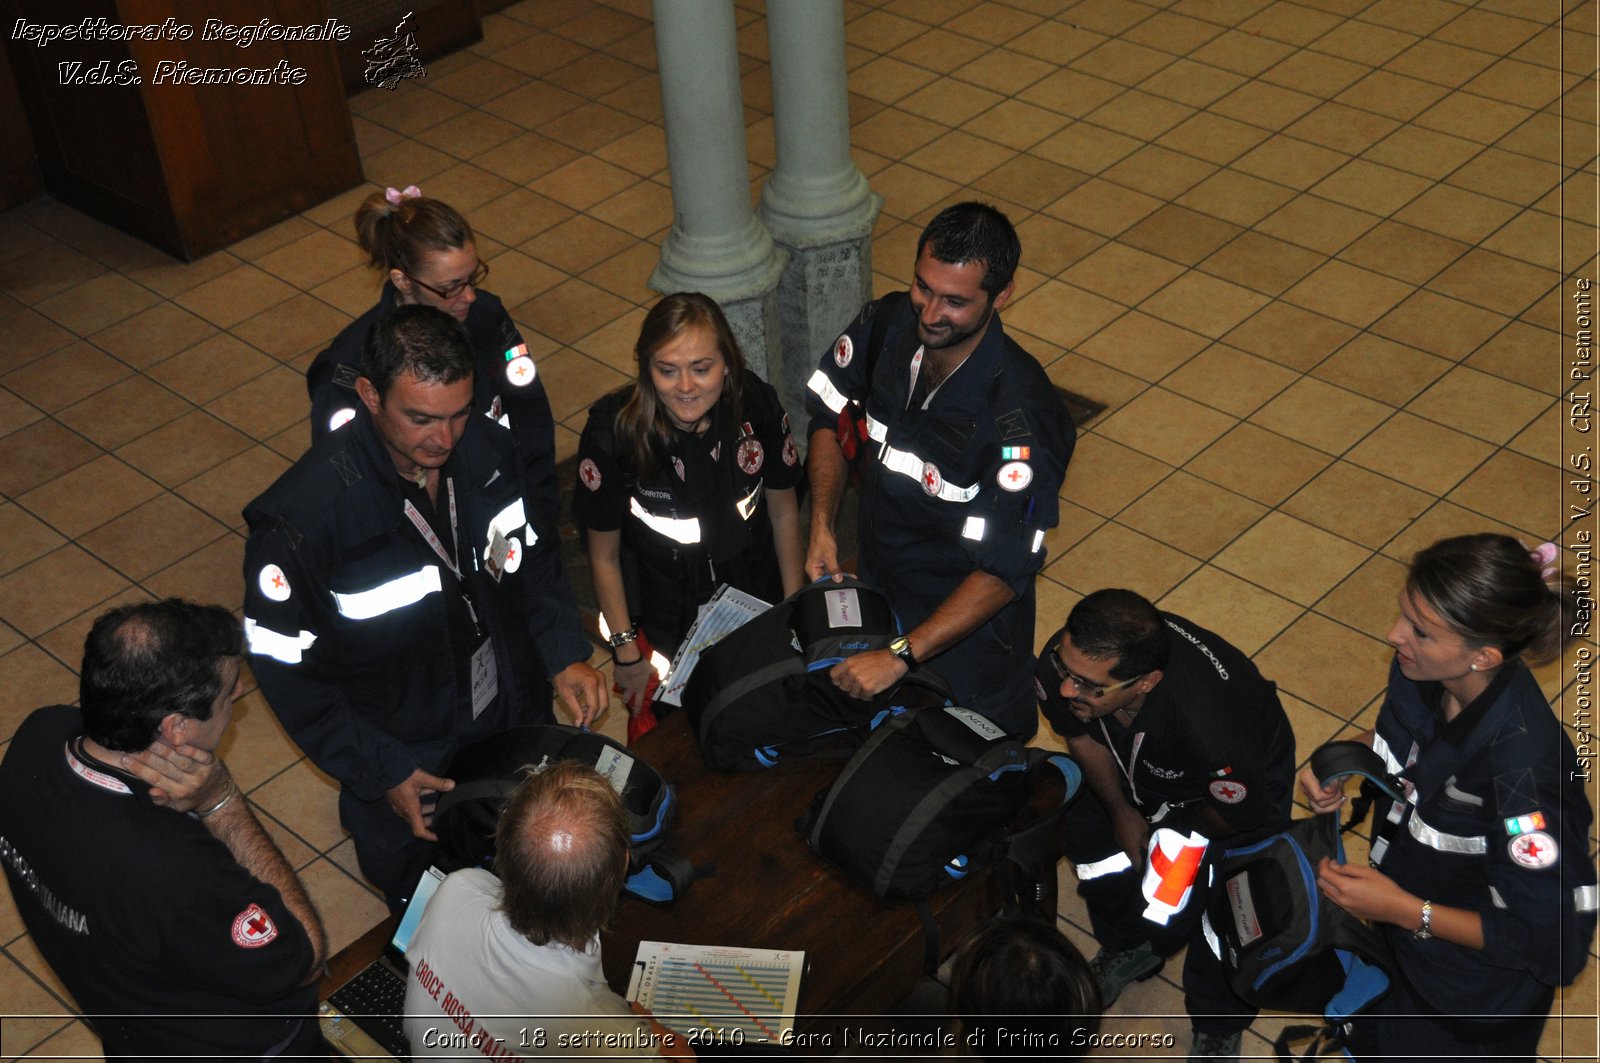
[
  {"x": 485, "y": 679},
  {"x": 499, "y": 551}
]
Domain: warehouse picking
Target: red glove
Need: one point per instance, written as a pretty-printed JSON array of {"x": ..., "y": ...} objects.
[{"x": 641, "y": 717}]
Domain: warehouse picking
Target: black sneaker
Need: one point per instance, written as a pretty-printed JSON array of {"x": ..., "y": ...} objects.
[{"x": 1115, "y": 969}]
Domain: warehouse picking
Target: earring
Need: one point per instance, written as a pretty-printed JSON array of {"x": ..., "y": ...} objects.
[{"x": 1473, "y": 667}]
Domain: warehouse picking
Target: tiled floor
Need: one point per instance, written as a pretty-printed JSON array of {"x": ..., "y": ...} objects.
[{"x": 1315, "y": 257}]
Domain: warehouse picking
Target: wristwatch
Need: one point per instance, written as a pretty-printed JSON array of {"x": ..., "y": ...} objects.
[
  {"x": 622, "y": 638},
  {"x": 900, "y": 646},
  {"x": 1425, "y": 931}
]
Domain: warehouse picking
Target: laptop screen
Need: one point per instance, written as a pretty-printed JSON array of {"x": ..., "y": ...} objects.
[{"x": 419, "y": 900}]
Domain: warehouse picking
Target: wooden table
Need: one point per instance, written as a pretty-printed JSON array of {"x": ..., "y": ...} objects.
[{"x": 768, "y": 890}]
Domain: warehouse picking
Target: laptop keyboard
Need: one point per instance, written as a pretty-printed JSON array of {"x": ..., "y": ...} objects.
[{"x": 376, "y": 999}]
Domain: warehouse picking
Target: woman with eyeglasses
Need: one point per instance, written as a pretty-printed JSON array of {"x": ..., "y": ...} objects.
[
  {"x": 426, "y": 252},
  {"x": 1482, "y": 881},
  {"x": 686, "y": 480}
]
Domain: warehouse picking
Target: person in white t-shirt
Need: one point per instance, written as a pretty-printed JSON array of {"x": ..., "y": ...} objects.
[{"x": 510, "y": 966}]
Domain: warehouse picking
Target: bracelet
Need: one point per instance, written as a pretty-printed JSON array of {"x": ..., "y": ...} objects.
[
  {"x": 1425, "y": 931},
  {"x": 622, "y": 638},
  {"x": 214, "y": 809}
]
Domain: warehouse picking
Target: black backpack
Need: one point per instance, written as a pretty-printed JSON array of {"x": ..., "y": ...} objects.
[
  {"x": 1282, "y": 943},
  {"x": 929, "y": 797},
  {"x": 763, "y": 692},
  {"x": 489, "y": 769}
]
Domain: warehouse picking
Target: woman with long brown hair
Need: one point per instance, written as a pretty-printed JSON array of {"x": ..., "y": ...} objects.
[{"x": 686, "y": 481}]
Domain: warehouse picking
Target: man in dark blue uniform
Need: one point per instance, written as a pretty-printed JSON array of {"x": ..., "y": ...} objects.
[
  {"x": 964, "y": 443},
  {"x": 402, "y": 600},
  {"x": 1175, "y": 728}
]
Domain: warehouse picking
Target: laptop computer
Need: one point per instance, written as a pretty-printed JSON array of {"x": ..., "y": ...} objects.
[{"x": 364, "y": 1017}]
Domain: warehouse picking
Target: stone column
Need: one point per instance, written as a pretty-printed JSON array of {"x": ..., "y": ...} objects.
[
  {"x": 716, "y": 244},
  {"x": 816, "y": 204}
]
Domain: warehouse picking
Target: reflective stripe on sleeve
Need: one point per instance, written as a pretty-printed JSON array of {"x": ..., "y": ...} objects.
[
  {"x": 747, "y": 505},
  {"x": 1099, "y": 868},
  {"x": 509, "y": 520},
  {"x": 387, "y": 597},
  {"x": 1038, "y": 540},
  {"x": 823, "y": 388},
  {"x": 908, "y": 464},
  {"x": 1445, "y": 843},
  {"x": 1380, "y": 747},
  {"x": 1586, "y": 898},
  {"x": 288, "y": 649},
  {"x": 684, "y": 530},
  {"x": 973, "y": 529}
]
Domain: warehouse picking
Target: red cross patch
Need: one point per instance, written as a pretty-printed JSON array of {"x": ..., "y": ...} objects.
[
  {"x": 253, "y": 928},
  {"x": 1227, "y": 791},
  {"x": 931, "y": 480},
  {"x": 843, "y": 351},
  {"x": 751, "y": 456},
  {"x": 791, "y": 453},
  {"x": 520, "y": 371},
  {"x": 677, "y": 466},
  {"x": 589, "y": 473},
  {"x": 1535, "y": 849},
  {"x": 273, "y": 583},
  {"x": 1014, "y": 475}
]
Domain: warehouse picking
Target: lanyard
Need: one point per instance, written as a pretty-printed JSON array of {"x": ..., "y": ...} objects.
[
  {"x": 1133, "y": 758},
  {"x": 432, "y": 540}
]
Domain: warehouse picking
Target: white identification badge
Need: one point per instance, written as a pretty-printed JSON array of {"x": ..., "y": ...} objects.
[
  {"x": 844, "y": 608},
  {"x": 616, "y": 766},
  {"x": 485, "y": 679},
  {"x": 499, "y": 553}
]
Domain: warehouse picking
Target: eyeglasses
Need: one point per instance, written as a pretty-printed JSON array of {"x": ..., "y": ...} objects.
[
  {"x": 1092, "y": 691},
  {"x": 479, "y": 275}
]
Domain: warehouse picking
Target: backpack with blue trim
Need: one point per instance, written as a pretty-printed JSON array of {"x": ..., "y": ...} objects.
[
  {"x": 933, "y": 794},
  {"x": 489, "y": 769},
  {"x": 1282, "y": 943},
  {"x": 763, "y": 693}
]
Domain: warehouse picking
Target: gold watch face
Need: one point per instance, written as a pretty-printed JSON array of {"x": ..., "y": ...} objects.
[{"x": 898, "y": 646}]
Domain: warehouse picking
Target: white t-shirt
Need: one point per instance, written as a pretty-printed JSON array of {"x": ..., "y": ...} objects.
[{"x": 479, "y": 989}]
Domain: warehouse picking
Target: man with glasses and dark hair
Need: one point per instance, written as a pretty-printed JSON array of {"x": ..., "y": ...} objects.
[
  {"x": 963, "y": 442},
  {"x": 403, "y": 599},
  {"x": 1175, "y": 728},
  {"x": 138, "y": 867}
]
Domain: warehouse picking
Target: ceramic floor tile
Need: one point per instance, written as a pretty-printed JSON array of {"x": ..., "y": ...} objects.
[
  {"x": 940, "y": 50},
  {"x": 1181, "y": 234},
  {"x": 234, "y": 296},
  {"x": 211, "y": 574},
  {"x": 1445, "y": 519},
  {"x": 39, "y": 1014},
  {"x": 347, "y": 906},
  {"x": 89, "y": 495},
  {"x": 1160, "y": 172},
  {"x": 1314, "y": 659},
  {"x": 1173, "y": 33},
  {"x": 1235, "y": 197},
  {"x": 1247, "y": 53},
  {"x": 304, "y": 800},
  {"x": 892, "y": 81},
  {"x": 1086, "y": 148},
  {"x": 1139, "y": 114},
  {"x": 1054, "y": 41},
  {"x": 1062, "y": 314},
  {"x": 1441, "y": 325},
  {"x": 1120, "y": 272},
  {"x": 1368, "y": 599},
  {"x": 1144, "y": 346},
  {"x": 1290, "y": 161},
  {"x": 225, "y": 487},
  {"x": 1425, "y": 455},
  {"x": 1543, "y": 240},
  {"x": 584, "y": 182},
  {"x": 1030, "y": 181},
  {"x": 1456, "y": 213},
  {"x": 1521, "y": 352},
  {"x": 152, "y": 536},
  {"x": 16, "y": 414},
  {"x": 1356, "y": 504},
  {"x": 49, "y": 271},
  {"x": 1193, "y": 515},
  {"x": 1347, "y": 293},
  {"x": 1261, "y": 263},
  {"x": 1479, "y": 404},
  {"x": 1494, "y": 281},
  {"x": 39, "y": 453},
  {"x": 1229, "y": 380},
  {"x": 1196, "y": 84},
  {"x": 1345, "y": 129},
  {"x": 1267, "y": 106},
  {"x": 908, "y": 191},
  {"x": 152, "y": 335},
  {"x": 1102, "y": 207},
  {"x": 1320, "y": 224},
  {"x": 63, "y": 377},
  {"x": 1243, "y": 613},
  {"x": 1140, "y": 563},
  {"x": 1258, "y": 464},
  {"x": 29, "y": 335},
  {"x": 1508, "y": 175},
  {"x": 574, "y": 382},
  {"x": 1290, "y": 558},
  {"x": 1105, "y": 476},
  {"x": 183, "y": 448},
  {"x": 1166, "y": 426},
  {"x": 1204, "y": 304},
  {"x": 97, "y": 303},
  {"x": 32, "y": 678},
  {"x": 53, "y": 589},
  {"x": 1512, "y": 487},
  {"x": 1321, "y": 416},
  {"x": 1121, "y": 61},
  {"x": 26, "y": 537},
  {"x": 1003, "y": 70},
  {"x": 1403, "y": 252},
  {"x": 1213, "y": 138}
]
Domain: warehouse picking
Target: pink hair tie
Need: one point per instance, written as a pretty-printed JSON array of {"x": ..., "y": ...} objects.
[
  {"x": 1544, "y": 555},
  {"x": 396, "y": 195}
]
